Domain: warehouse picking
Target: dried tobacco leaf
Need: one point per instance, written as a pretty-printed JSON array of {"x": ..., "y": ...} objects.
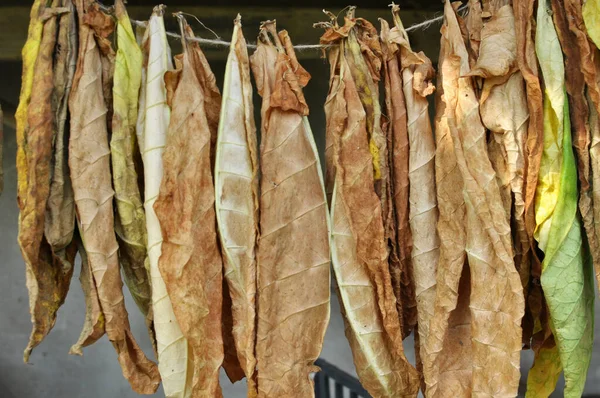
[
  {"x": 527, "y": 63},
  {"x": 417, "y": 73},
  {"x": 29, "y": 55},
  {"x": 558, "y": 228},
  {"x": 94, "y": 323},
  {"x": 130, "y": 219},
  {"x": 90, "y": 167},
  {"x": 363, "y": 277},
  {"x": 503, "y": 108},
  {"x": 293, "y": 251},
  {"x": 190, "y": 263},
  {"x": 496, "y": 298},
  {"x": 60, "y": 207},
  {"x": 447, "y": 355},
  {"x": 402, "y": 275},
  {"x": 174, "y": 361},
  {"x": 47, "y": 281},
  {"x": 236, "y": 193}
]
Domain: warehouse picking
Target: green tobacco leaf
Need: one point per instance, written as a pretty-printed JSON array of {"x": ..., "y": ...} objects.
[
  {"x": 566, "y": 270},
  {"x": 591, "y": 17}
]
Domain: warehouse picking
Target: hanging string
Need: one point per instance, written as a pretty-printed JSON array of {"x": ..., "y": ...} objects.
[{"x": 218, "y": 42}]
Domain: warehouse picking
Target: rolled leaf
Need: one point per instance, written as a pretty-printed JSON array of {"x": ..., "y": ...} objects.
[
  {"x": 130, "y": 220},
  {"x": 60, "y": 207},
  {"x": 174, "y": 359},
  {"x": 527, "y": 63},
  {"x": 47, "y": 281},
  {"x": 417, "y": 73},
  {"x": 90, "y": 167},
  {"x": 236, "y": 199},
  {"x": 293, "y": 251}
]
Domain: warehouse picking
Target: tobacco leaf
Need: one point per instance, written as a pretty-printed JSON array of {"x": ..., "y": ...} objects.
[
  {"x": 212, "y": 106},
  {"x": 175, "y": 361},
  {"x": 293, "y": 251},
  {"x": 558, "y": 225},
  {"x": 47, "y": 281},
  {"x": 90, "y": 167},
  {"x": 497, "y": 52},
  {"x": 363, "y": 277},
  {"x": 474, "y": 26},
  {"x": 527, "y": 63},
  {"x": 447, "y": 347},
  {"x": 130, "y": 220},
  {"x": 332, "y": 123},
  {"x": 29, "y": 54},
  {"x": 417, "y": 73},
  {"x": 591, "y": 18},
  {"x": 60, "y": 207},
  {"x": 190, "y": 263},
  {"x": 503, "y": 108},
  {"x": 94, "y": 323},
  {"x": 579, "y": 113},
  {"x": 589, "y": 65},
  {"x": 498, "y": 159},
  {"x": 236, "y": 191},
  {"x": 496, "y": 298},
  {"x": 402, "y": 275},
  {"x": 104, "y": 26}
]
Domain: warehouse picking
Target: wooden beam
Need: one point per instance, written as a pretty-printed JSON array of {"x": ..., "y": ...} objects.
[{"x": 298, "y": 21}]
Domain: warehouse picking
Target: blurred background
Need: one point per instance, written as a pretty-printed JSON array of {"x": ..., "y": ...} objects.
[{"x": 52, "y": 372}]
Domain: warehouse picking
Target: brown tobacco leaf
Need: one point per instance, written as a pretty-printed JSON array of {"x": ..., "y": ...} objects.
[
  {"x": 332, "y": 124},
  {"x": 589, "y": 66},
  {"x": 447, "y": 348},
  {"x": 236, "y": 201},
  {"x": 360, "y": 250},
  {"x": 527, "y": 64},
  {"x": 497, "y": 51},
  {"x": 417, "y": 73},
  {"x": 496, "y": 299},
  {"x": 47, "y": 280},
  {"x": 293, "y": 251},
  {"x": 90, "y": 167},
  {"x": 94, "y": 324},
  {"x": 190, "y": 263},
  {"x": 498, "y": 159},
  {"x": 402, "y": 277},
  {"x": 474, "y": 25},
  {"x": 60, "y": 207},
  {"x": 504, "y": 112},
  {"x": 103, "y": 26},
  {"x": 212, "y": 107}
]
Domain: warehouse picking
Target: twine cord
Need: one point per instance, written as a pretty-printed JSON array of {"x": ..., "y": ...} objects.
[{"x": 218, "y": 42}]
